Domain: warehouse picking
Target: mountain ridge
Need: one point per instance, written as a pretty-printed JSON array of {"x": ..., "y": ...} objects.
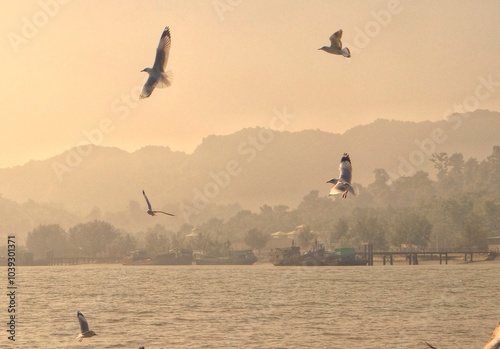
[{"x": 252, "y": 167}]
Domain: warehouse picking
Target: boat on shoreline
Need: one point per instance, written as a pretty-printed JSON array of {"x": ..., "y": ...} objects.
[
  {"x": 236, "y": 257},
  {"x": 173, "y": 257},
  {"x": 291, "y": 256}
]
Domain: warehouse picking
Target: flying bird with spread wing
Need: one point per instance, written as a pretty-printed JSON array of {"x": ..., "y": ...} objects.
[
  {"x": 336, "y": 45},
  {"x": 493, "y": 343},
  {"x": 84, "y": 327},
  {"x": 150, "y": 211},
  {"x": 157, "y": 75},
  {"x": 343, "y": 184}
]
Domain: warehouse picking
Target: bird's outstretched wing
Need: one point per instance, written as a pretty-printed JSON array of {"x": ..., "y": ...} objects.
[
  {"x": 345, "y": 168},
  {"x": 147, "y": 201},
  {"x": 84, "y": 326},
  {"x": 494, "y": 342},
  {"x": 341, "y": 188},
  {"x": 430, "y": 346},
  {"x": 164, "y": 213},
  {"x": 149, "y": 86},
  {"x": 157, "y": 76},
  {"x": 335, "y": 39},
  {"x": 162, "y": 51}
]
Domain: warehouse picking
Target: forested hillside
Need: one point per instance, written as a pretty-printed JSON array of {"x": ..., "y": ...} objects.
[{"x": 457, "y": 210}]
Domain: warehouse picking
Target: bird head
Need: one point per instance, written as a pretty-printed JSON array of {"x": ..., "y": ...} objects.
[
  {"x": 323, "y": 48},
  {"x": 333, "y": 181},
  {"x": 147, "y": 70}
]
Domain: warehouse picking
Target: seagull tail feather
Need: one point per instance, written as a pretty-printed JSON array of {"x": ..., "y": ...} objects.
[
  {"x": 345, "y": 52},
  {"x": 353, "y": 191},
  {"x": 165, "y": 80}
]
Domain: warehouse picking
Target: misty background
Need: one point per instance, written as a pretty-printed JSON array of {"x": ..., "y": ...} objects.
[
  {"x": 413, "y": 191},
  {"x": 69, "y": 65},
  {"x": 256, "y": 119}
]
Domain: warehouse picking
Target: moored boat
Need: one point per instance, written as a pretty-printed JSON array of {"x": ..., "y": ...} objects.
[
  {"x": 236, "y": 257},
  {"x": 291, "y": 256},
  {"x": 173, "y": 257}
]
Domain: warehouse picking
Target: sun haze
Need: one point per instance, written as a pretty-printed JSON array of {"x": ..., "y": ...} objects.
[{"x": 71, "y": 69}]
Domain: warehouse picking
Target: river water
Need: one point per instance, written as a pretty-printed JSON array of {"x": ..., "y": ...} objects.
[{"x": 259, "y": 306}]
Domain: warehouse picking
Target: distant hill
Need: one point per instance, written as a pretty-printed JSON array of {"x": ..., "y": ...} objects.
[{"x": 253, "y": 166}]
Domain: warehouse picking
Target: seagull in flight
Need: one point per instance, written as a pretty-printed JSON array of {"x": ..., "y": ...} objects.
[
  {"x": 84, "y": 327},
  {"x": 150, "y": 210},
  {"x": 493, "y": 343},
  {"x": 336, "y": 45},
  {"x": 343, "y": 184},
  {"x": 157, "y": 76}
]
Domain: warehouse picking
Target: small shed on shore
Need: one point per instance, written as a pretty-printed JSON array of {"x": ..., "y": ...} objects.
[{"x": 494, "y": 243}]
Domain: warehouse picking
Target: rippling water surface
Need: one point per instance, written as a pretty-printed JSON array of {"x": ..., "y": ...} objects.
[{"x": 259, "y": 306}]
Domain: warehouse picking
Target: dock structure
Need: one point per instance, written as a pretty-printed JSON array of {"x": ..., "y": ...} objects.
[
  {"x": 368, "y": 253},
  {"x": 412, "y": 258},
  {"x": 27, "y": 259},
  {"x": 80, "y": 260},
  {"x": 50, "y": 259}
]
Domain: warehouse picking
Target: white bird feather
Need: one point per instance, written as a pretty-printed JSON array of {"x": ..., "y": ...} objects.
[
  {"x": 157, "y": 75},
  {"x": 150, "y": 211},
  {"x": 342, "y": 185}
]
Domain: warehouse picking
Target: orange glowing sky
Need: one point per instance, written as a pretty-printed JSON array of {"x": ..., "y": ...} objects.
[{"x": 73, "y": 69}]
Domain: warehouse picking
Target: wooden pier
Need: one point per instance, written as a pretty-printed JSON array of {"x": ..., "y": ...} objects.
[
  {"x": 412, "y": 258},
  {"x": 80, "y": 260}
]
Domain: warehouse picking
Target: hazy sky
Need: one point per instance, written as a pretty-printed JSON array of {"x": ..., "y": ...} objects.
[{"x": 72, "y": 68}]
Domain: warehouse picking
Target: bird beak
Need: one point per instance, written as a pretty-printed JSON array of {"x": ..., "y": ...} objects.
[{"x": 143, "y": 70}]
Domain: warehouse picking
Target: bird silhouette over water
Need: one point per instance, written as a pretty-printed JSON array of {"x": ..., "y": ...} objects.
[
  {"x": 493, "y": 343},
  {"x": 157, "y": 75},
  {"x": 84, "y": 328},
  {"x": 342, "y": 185},
  {"x": 150, "y": 211},
  {"x": 336, "y": 45}
]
